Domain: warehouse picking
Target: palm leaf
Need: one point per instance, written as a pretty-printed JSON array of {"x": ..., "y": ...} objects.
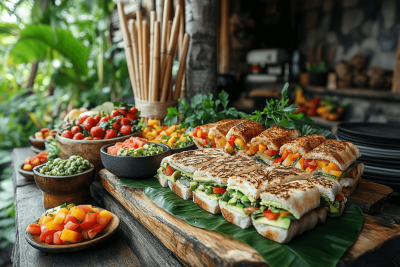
[{"x": 322, "y": 246}]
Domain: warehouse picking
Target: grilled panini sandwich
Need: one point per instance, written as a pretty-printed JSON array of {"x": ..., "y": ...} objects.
[
  {"x": 176, "y": 171},
  {"x": 287, "y": 210},
  {"x": 332, "y": 197},
  {"x": 212, "y": 180},
  {"x": 218, "y": 133},
  {"x": 335, "y": 160},
  {"x": 243, "y": 193},
  {"x": 239, "y": 136},
  {"x": 292, "y": 153},
  {"x": 266, "y": 145},
  {"x": 201, "y": 134}
]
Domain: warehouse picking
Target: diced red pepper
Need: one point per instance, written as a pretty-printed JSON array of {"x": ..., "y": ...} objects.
[
  {"x": 70, "y": 218},
  {"x": 89, "y": 220},
  {"x": 285, "y": 154},
  {"x": 169, "y": 171},
  {"x": 271, "y": 152},
  {"x": 34, "y": 229},
  {"x": 231, "y": 141},
  {"x": 219, "y": 190},
  {"x": 270, "y": 215},
  {"x": 313, "y": 167},
  {"x": 278, "y": 160},
  {"x": 339, "y": 197},
  {"x": 205, "y": 142}
]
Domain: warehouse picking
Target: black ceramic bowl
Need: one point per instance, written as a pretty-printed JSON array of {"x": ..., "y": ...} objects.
[
  {"x": 181, "y": 149},
  {"x": 133, "y": 167}
]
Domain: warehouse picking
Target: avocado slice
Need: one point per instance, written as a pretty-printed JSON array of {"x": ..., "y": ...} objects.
[
  {"x": 281, "y": 222},
  {"x": 235, "y": 208},
  {"x": 233, "y": 199},
  {"x": 330, "y": 175},
  {"x": 175, "y": 176},
  {"x": 333, "y": 209},
  {"x": 193, "y": 185},
  {"x": 188, "y": 174}
]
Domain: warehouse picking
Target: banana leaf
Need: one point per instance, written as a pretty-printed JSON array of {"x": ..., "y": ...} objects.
[{"x": 322, "y": 246}]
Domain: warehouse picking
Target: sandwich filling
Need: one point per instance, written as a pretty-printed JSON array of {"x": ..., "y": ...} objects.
[
  {"x": 289, "y": 158},
  {"x": 333, "y": 206},
  {"x": 263, "y": 155},
  {"x": 235, "y": 144},
  {"x": 210, "y": 188},
  {"x": 207, "y": 139},
  {"x": 176, "y": 175},
  {"x": 238, "y": 201},
  {"x": 322, "y": 167},
  {"x": 274, "y": 214}
]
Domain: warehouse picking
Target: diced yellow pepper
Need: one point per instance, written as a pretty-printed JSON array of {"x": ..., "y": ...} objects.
[
  {"x": 105, "y": 214},
  {"x": 162, "y": 133},
  {"x": 309, "y": 170},
  {"x": 239, "y": 141},
  {"x": 190, "y": 134},
  {"x": 95, "y": 209},
  {"x": 320, "y": 164},
  {"x": 154, "y": 140},
  {"x": 77, "y": 213},
  {"x": 336, "y": 173},
  {"x": 199, "y": 134},
  {"x": 41, "y": 220},
  {"x": 149, "y": 136},
  {"x": 285, "y": 213},
  {"x": 210, "y": 136},
  {"x": 63, "y": 210},
  {"x": 47, "y": 219},
  {"x": 262, "y": 148},
  {"x": 183, "y": 130},
  {"x": 229, "y": 149},
  {"x": 158, "y": 128},
  {"x": 60, "y": 217},
  {"x": 90, "y": 206}
]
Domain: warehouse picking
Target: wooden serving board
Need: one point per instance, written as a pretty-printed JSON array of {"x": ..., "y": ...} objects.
[{"x": 200, "y": 247}]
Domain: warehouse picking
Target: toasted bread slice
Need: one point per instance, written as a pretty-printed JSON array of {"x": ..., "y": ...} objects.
[
  {"x": 275, "y": 137},
  {"x": 207, "y": 127},
  {"x": 246, "y": 130},
  {"x": 329, "y": 187},
  {"x": 322, "y": 212},
  {"x": 341, "y": 209},
  {"x": 191, "y": 160},
  {"x": 303, "y": 144},
  {"x": 205, "y": 202},
  {"x": 234, "y": 217},
  {"x": 163, "y": 181},
  {"x": 341, "y": 153},
  {"x": 221, "y": 130},
  {"x": 180, "y": 190}
]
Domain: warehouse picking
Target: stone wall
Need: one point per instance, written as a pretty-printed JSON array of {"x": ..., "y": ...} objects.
[{"x": 368, "y": 27}]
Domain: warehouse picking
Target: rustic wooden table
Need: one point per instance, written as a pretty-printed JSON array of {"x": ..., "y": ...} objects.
[{"x": 149, "y": 236}]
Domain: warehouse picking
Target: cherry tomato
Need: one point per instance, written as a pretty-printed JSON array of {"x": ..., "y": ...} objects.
[{"x": 115, "y": 113}]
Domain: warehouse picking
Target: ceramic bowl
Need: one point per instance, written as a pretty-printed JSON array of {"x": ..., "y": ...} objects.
[
  {"x": 181, "y": 149},
  {"x": 27, "y": 174},
  {"x": 58, "y": 190},
  {"x": 133, "y": 167},
  {"x": 37, "y": 143}
]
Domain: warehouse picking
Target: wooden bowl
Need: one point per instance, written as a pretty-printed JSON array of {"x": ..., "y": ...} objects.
[
  {"x": 181, "y": 149},
  {"x": 108, "y": 231},
  {"x": 27, "y": 174},
  {"x": 87, "y": 149},
  {"x": 133, "y": 167},
  {"x": 58, "y": 190},
  {"x": 37, "y": 143}
]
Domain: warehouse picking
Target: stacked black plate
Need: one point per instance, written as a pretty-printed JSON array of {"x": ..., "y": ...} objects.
[{"x": 379, "y": 144}]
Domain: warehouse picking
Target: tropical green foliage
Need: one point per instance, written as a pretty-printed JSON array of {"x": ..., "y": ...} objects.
[{"x": 7, "y": 215}]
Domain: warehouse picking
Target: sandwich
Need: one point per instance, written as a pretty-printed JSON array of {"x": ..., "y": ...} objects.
[
  {"x": 287, "y": 210},
  {"x": 243, "y": 193},
  {"x": 201, "y": 134},
  {"x": 335, "y": 160},
  {"x": 218, "y": 133},
  {"x": 292, "y": 153},
  {"x": 176, "y": 171},
  {"x": 266, "y": 145},
  {"x": 239, "y": 136},
  {"x": 332, "y": 199},
  {"x": 212, "y": 180}
]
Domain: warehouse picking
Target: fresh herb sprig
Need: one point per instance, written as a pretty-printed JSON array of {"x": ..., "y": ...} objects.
[
  {"x": 202, "y": 109},
  {"x": 279, "y": 112},
  {"x": 52, "y": 149}
]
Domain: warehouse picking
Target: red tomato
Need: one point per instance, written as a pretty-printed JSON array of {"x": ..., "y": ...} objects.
[
  {"x": 34, "y": 229},
  {"x": 270, "y": 215},
  {"x": 89, "y": 123},
  {"x": 295, "y": 156},
  {"x": 116, "y": 126},
  {"x": 102, "y": 221},
  {"x": 350, "y": 176},
  {"x": 309, "y": 163},
  {"x": 94, "y": 230},
  {"x": 71, "y": 226},
  {"x": 78, "y": 230},
  {"x": 49, "y": 239},
  {"x": 219, "y": 190},
  {"x": 110, "y": 133},
  {"x": 96, "y": 138},
  {"x": 57, "y": 238},
  {"x": 278, "y": 160},
  {"x": 45, "y": 233},
  {"x": 88, "y": 138},
  {"x": 84, "y": 208},
  {"x": 204, "y": 135},
  {"x": 70, "y": 218},
  {"x": 131, "y": 116},
  {"x": 89, "y": 220},
  {"x": 75, "y": 130},
  {"x": 85, "y": 234},
  {"x": 115, "y": 113},
  {"x": 285, "y": 154},
  {"x": 97, "y": 132},
  {"x": 214, "y": 145},
  {"x": 195, "y": 132},
  {"x": 339, "y": 197},
  {"x": 67, "y": 134},
  {"x": 312, "y": 167},
  {"x": 169, "y": 171},
  {"x": 231, "y": 140},
  {"x": 123, "y": 110},
  {"x": 271, "y": 152},
  {"x": 107, "y": 118},
  {"x": 133, "y": 111},
  {"x": 126, "y": 129},
  {"x": 79, "y": 136},
  {"x": 205, "y": 142},
  {"x": 125, "y": 121},
  {"x": 81, "y": 119}
]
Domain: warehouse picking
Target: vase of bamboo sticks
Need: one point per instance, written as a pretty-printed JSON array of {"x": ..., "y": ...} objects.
[{"x": 150, "y": 54}]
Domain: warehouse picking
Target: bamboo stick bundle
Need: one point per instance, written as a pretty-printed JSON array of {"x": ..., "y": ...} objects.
[
  {"x": 140, "y": 51},
  {"x": 156, "y": 61},
  {"x": 182, "y": 67},
  {"x": 132, "y": 27},
  {"x": 172, "y": 46},
  {"x": 164, "y": 40},
  {"x": 153, "y": 16},
  {"x": 127, "y": 46},
  {"x": 146, "y": 59}
]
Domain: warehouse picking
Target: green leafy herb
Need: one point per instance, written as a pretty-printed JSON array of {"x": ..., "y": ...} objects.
[
  {"x": 90, "y": 211},
  {"x": 52, "y": 149},
  {"x": 63, "y": 205},
  {"x": 79, "y": 221},
  {"x": 279, "y": 112}
]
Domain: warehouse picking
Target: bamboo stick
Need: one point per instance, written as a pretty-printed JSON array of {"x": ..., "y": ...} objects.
[
  {"x": 156, "y": 61},
  {"x": 224, "y": 38},
  {"x": 170, "y": 93},
  {"x": 132, "y": 27},
  {"x": 169, "y": 28},
  {"x": 146, "y": 60},
  {"x": 140, "y": 51},
  {"x": 152, "y": 22},
  {"x": 166, "y": 12},
  {"x": 127, "y": 45},
  {"x": 182, "y": 67},
  {"x": 172, "y": 46}
]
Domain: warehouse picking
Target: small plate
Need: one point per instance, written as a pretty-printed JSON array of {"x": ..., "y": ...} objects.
[
  {"x": 27, "y": 174},
  {"x": 386, "y": 132},
  {"x": 106, "y": 233}
]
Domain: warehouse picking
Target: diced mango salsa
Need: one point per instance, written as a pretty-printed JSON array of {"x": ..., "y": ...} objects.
[
  {"x": 59, "y": 218},
  {"x": 47, "y": 219},
  {"x": 77, "y": 213},
  {"x": 63, "y": 210},
  {"x": 105, "y": 214},
  {"x": 70, "y": 236}
]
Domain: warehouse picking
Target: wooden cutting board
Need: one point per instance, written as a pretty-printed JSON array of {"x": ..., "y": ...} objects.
[{"x": 199, "y": 247}]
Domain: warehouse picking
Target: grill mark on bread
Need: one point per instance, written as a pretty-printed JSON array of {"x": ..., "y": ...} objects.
[
  {"x": 285, "y": 191},
  {"x": 256, "y": 177},
  {"x": 275, "y": 137},
  {"x": 225, "y": 167},
  {"x": 304, "y": 144},
  {"x": 325, "y": 183},
  {"x": 246, "y": 130}
]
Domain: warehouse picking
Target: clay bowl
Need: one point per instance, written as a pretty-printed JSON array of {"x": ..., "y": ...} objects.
[
  {"x": 58, "y": 190},
  {"x": 181, "y": 149},
  {"x": 27, "y": 174},
  {"x": 37, "y": 143},
  {"x": 87, "y": 149},
  {"x": 106, "y": 233},
  {"x": 133, "y": 167}
]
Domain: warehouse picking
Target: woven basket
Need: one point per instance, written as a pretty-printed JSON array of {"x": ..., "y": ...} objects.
[{"x": 153, "y": 110}]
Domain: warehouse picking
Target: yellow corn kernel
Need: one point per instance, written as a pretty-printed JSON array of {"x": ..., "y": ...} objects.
[
  {"x": 262, "y": 148},
  {"x": 210, "y": 136},
  {"x": 239, "y": 142}
]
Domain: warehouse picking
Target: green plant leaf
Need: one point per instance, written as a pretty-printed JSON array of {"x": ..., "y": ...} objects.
[{"x": 322, "y": 246}]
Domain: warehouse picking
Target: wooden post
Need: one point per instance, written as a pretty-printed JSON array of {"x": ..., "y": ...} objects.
[{"x": 201, "y": 25}]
